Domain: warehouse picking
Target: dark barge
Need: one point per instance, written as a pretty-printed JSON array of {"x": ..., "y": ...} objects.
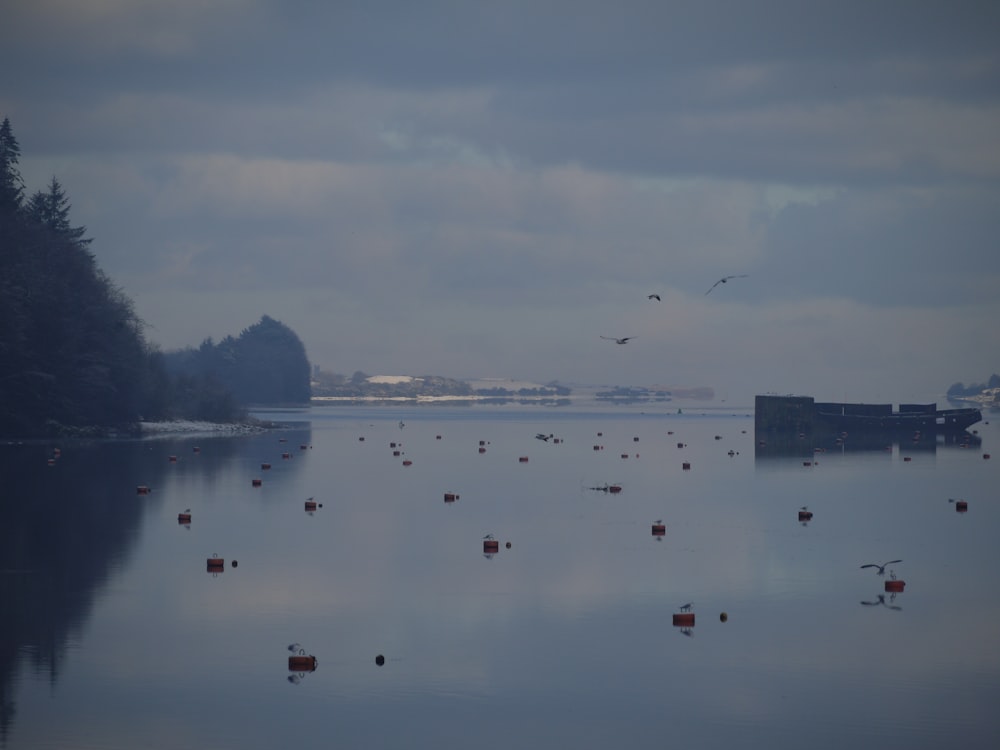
[{"x": 803, "y": 414}]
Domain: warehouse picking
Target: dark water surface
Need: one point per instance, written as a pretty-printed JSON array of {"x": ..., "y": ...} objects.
[{"x": 114, "y": 634}]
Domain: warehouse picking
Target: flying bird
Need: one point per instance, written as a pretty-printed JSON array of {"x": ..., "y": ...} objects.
[
  {"x": 724, "y": 279},
  {"x": 881, "y": 568},
  {"x": 654, "y": 296},
  {"x": 624, "y": 340}
]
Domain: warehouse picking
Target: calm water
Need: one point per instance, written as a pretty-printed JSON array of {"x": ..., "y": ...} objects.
[{"x": 114, "y": 634}]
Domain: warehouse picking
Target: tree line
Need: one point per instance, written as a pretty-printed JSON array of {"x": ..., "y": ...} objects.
[{"x": 73, "y": 355}]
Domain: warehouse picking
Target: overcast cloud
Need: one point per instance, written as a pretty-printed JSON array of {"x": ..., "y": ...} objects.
[{"x": 483, "y": 189}]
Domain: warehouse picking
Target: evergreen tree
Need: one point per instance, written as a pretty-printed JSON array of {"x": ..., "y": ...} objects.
[
  {"x": 11, "y": 183},
  {"x": 51, "y": 209}
]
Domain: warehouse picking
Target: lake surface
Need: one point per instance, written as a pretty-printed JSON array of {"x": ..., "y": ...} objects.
[{"x": 115, "y": 634}]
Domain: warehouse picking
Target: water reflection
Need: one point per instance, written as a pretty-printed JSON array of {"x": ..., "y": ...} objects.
[
  {"x": 72, "y": 514},
  {"x": 568, "y": 635},
  {"x": 772, "y": 444}
]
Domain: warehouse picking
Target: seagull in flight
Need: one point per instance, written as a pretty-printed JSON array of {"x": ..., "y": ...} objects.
[
  {"x": 654, "y": 296},
  {"x": 881, "y": 568},
  {"x": 724, "y": 279},
  {"x": 624, "y": 340}
]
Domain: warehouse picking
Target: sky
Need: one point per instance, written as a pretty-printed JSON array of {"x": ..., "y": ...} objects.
[{"x": 485, "y": 189}]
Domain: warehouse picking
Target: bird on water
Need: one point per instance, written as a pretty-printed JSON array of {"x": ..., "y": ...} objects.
[{"x": 725, "y": 279}]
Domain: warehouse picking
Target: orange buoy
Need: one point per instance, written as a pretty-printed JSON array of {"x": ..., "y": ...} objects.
[
  {"x": 183, "y": 518},
  {"x": 216, "y": 564},
  {"x": 805, "y": 515},
  {"x": 685, "y": 466},
  {"x": 265, "y": 467},
  {"x": 895, "y": 586},
  {"x": 302, "y": 663},
  {"x": 491, "y": 545},
  {"x": 310, "y": 505},
  {"x": 614, "y": 489},
  {"x": 523, "y": 459},
  {"x": 659, "y": 529},
  {"x": 450, "y": 497},
  {"x": 407, "y": 462},
  {"x": 961, "y": 506},
  {"x": 684, "y": 619}
]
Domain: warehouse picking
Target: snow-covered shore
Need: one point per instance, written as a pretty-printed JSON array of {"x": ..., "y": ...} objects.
[{"x": 193, "y": 427}]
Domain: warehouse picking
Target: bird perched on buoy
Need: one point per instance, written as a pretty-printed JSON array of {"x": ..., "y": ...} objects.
[
  {"x": 881, "y": 568},
  {"x": 725, "y": 279},
  {"x": 654, "y": 296},
  {"x": 623, "y": 340},
  {"x": 686, "y": 607},
  {"x": 543, "y": 436}
]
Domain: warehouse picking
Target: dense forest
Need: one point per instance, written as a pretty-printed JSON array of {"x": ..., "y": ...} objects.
[
  {"x": 960, "y": 390},
  {"x": 73, "y": 355}
]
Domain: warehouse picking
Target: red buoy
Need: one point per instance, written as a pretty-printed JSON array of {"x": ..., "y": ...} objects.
[
  {"x": 142, "y": 490},
  {"x": 482, "y": 449},
  {"x": 659, "y": 529},
  {"x": 685, "y": 466},
  {"x": 286, "y": 456},
  {"x": 490, "y": 546},
  {"x": 684, "y": 619},
  {"x": 172, "y": 459},
  {"x": 407, "y": 462},
  {"x": 986, "y": 455},
  {"x": 216, "y": 564},
  {"x": 302, "y": 663},
  {"x": 265, "y": 467},
  {"x": 450, "y": 497},
  {"x": 183, "y": 518},
  {"x": 310, "y": 505},
  {"x": 895, "y": 586},
  {"x": 523, "y": 459},
  {"x": 805, "y": 515},
  {"x": 961, "y": 506},
  {"x": 256, "y": 482},
  {"x": 906, "y": 458},
  {"x": 615, "y": 489},
  {"x": 624, "y": 455}
]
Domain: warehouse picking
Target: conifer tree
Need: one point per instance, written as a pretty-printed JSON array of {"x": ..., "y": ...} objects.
[
  {"x": 51, "y": 209},
  {"x": 11, "y": 183}
]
